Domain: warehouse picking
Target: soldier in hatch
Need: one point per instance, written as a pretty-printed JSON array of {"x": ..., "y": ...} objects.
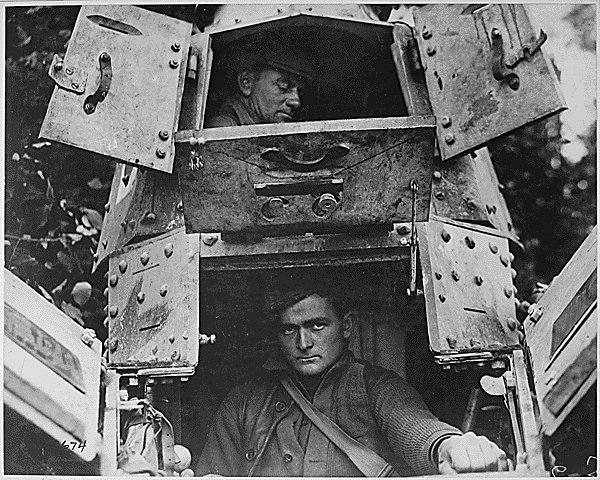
[
  {"x": 268, "y": 85},
  {"x": 267, "y": 427}
]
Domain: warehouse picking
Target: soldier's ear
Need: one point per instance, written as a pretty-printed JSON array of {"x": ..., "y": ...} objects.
[
  {"x": 245, "y": 82},
  {"x": 347, "y": 323}
]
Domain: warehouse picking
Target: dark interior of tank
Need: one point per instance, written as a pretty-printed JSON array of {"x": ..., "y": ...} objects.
[
  {"x": 361, "y": 85},
  {"x": 391, "y": 332}
]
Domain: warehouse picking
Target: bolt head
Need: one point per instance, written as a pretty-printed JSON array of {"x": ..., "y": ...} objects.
[
  {"x": 89, "y": 108},
  {"x": 437, "y": 175},
  {"x": 449, "y": 138},
  {"x": 173, "y": 64},
  {"x": 504, "y": 260},
  {"x": 163, "y": 290},
  {"x": 442, "y": 298},
  {"x": 451, "y": 339},
  {"x": 210, "y": 240},
  {"x": 176, "y": 47},
  {"x": 455, "y": 276},
  {"x": 163, "y": 135},
  {"x": 168, "y": 250},
  {"x": 512, "y": 323},
  {"x": 113, "y": 280},
  {"x": 479, "y": 280},
  {"x": 508, "y": 291},
  {"x": 514, "y": 83},
  {"x": 446, "y": 236},
  {"x": 58, "y": 66},
  {"x": 446, "y": 121},
  {"x": 427, "y": 34},
  {"x": 161, "y": 153},
  {"x": 112, "y": 344},
  {"x": 122, "y": 266},
  {"x": 403, "y": 229},
  {"x": 68, "y": 71},
  {"x": 141, "y": 296},
  {"x": 105, "y": 322},
  {"x": 496, "y": 33},
  {"x": 180, "y": 207},
  {"x": 430, "y": 51},
  {"x": 75, "y": 85},
  {"x": 107, "y": 207},
  {"x": 172, "y": 338},
  {"x": 104, "y": 244},
  {"x": 404, "y": 241},
  {"x": 493, "y": 248},
  {"x": 438, "y": 275},
  {"x": 175, "y": 355},
  {"x": 104, "y": 57},
  {"x": 470, "y": 242},
  {"x": 145, "y": 258},
  {"x": 114, "y": 311},
  {"x": 440, "y": 195},
  {"x": 150, "y": 217}
]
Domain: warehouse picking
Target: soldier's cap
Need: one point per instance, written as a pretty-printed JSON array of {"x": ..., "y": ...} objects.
[{"x": 281, "y": 56}]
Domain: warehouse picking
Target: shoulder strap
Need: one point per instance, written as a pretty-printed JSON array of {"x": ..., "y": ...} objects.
[{"x": 366, "y": 460}]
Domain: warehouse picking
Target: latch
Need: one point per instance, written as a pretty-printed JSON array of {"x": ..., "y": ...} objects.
[
  {"x": 92, "y": 101},
  {"x": 498, "y": 67},
  {"x": 67, "y": 76},
  {"x": 527, "y": 51}
]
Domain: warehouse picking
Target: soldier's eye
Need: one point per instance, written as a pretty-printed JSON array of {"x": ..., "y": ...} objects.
[
  {"x": 318, "y": 326},
  {"x": 287, "y": 330}
]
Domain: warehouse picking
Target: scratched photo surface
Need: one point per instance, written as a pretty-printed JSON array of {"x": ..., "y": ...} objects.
[{"x": 300, "y": 240}]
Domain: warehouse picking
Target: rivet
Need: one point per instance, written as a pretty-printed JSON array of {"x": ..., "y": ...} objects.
[
  {"x": 68, "y": 71},
  {"x": 438, "y": 275},
  {"x": 150, "y": 217},
  {"x": 173, "y": 64},
  {"x": 95, "y": 256},
  {"x": 451, "y": 339},
  {"x": 512, "y": 323},
  {"x": 475, "y": 343},
  {"x": 437, "y": 175},
  {"x": 471, "y": 204},
  {"x": 479, "y": 280},
  {"x": 113, "y": 280},
  {"x": 74, "y": 85},
  {"x": 511, "y": 257},
  {"x": 446, "y": 121},
  {"x": 449, "y": 138},
  {"x": 491, "y": 209},
  {"x": 144, "y": 258},
  {"x": 105, "y": 322},
  {"x": 107, "y": 207},
  {"x": 163, "y": 290},
  {"x": 440, "y": 195},
  {"x": 426, "y": 34},
  {"x": 496, "y": 33},
  {"x": 185, "y": 336},
  {"x": 58, "y": 66},
  {"x": 180, "y": 207},
  {"x": 104, "y": 243},
  {"x": 470, "y": 242},
  {"x": 105, "y": 310},
  {"x": 210, "y": 240},
  {"x": 430, "y": 51},
  {"x": 455, "y": 276},
  {"x": 442, "y": 298},
  {"x": 106, "y": 292},
  {"x": 446, "y": 236},
  {"x": 513, "y": 273},
  {"x": 172, "y": 338},
  {"x": 89, "y": 108},
  {"x": 508, "y": 292},
  {"x": 168, "y": 250},
  {"x": 176, "y": 47},
  {"x": 141, "y": 297},
  {"x": 163, "y": 135},
  {"x": 122, "y": 266},
  {"x": 505, "y": 261},
  {"x": 114, "y": 310},
  {"x": 493, "y": 248},
  {"x": 175, "y": 355},
  {"x": 404, "y": 241},
  {"x": 155, "y": 349},
  {"x": 160, "y": 153},
  {"x": 112, "y": 344},
  {"x": 104, "y": 57},
  {"x": 403, "y": 229}
]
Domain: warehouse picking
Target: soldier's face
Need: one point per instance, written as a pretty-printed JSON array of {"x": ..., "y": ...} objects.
[
  {"x": 312, "y": 336},
  {"x": 275, "y": 96}
]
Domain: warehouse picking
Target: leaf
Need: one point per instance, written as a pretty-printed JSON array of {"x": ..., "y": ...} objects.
[
  {"x": 66, "y": 260},
  {"x": 85, "y": 221},
  {"x": 81, "y": 293},
  {"x": 72, "y": 311},
  {"x": 93, "y": 216},
  {"x": 95, "y": 184}
]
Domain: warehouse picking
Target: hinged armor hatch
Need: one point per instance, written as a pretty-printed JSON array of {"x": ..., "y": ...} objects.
[
  {"x": 134, "y": 62},
  {"x": 469, "y": 295},
  {"x": 153, "y": 303},
  {"x": 561, "y": 332},
  {"x": 475, "y": 95}
]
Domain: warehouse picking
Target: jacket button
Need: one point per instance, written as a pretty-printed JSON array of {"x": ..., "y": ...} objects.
[
  {"x": 287, "y": 458},
  {"x": 280, "y": 406},
  {"x": 250, "y": 455}
]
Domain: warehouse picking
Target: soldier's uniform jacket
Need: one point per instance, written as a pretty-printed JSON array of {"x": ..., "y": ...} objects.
[
  {"x": 260, "y": 431},
  {"x": 232, "y": 113}
]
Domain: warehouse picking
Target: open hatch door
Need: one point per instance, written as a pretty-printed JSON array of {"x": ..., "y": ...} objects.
[
  {"x": 485, "y": 73},
  {"x": 561, "y": 332},
  {"x": 118, "y": 89}
]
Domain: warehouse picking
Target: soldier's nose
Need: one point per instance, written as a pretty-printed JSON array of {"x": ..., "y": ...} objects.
[
  {"x": 293, "y": 99},
  {"x": 304, "y": 340}
]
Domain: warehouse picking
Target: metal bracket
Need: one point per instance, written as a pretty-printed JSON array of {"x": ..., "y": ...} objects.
[
  {"x": 498, "y": 68},
  {"x": 527, "y": 51},
  {"x": 66, "y": 76},
  {"x": 92, "y": 101},
  {"x": 414, "y": 187}
]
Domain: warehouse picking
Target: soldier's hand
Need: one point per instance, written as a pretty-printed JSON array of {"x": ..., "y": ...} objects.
[{"x": 470, "y": 453}]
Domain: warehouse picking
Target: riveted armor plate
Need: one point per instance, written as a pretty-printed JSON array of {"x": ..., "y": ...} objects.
[
  {"x": 313, "y": 176},
  {"x": 156, "y": 303},
  {"x": 562, "y": 341},
  {"x": 465, "y": 286},
  {"x": 132, "y": 91},
  {"x": 457, "y": 51},
  {"x": 141, "y": 203}
]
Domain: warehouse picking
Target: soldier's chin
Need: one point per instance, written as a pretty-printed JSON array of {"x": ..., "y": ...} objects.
[{"x": 308, "y": 370}]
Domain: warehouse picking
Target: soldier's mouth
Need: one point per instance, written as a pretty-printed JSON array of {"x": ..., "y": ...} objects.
[{"x": 308, "y": 359}]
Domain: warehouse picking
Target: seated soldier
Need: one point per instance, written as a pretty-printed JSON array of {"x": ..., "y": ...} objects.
[
  {"x": 265, "y": 427},
  {"x": 268, "y": 87}
]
